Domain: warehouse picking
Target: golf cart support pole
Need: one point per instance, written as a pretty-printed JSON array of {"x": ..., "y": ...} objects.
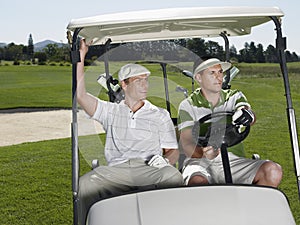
[
  {"x": 226, "y": 85},
  {"x": 164, "y": 69},
  {"x": 75, "y": 58},
  {"x": 281, "y": 46},
  {"x": 226, "y": 165},
  {"x": 107, "y": 76}
]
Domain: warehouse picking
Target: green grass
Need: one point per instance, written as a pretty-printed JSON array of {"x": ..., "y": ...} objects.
[
  {"x": 35, "y": 178},
  {"x": 35, "y": 183},
  {"x": 35, "y": 86}
]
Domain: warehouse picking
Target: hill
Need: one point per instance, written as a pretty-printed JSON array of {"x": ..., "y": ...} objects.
[{"x": 40, "y": 45}]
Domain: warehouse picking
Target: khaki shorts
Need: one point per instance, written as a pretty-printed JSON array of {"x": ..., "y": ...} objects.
[
  {"x": 243, "y": 170},
  {"x": 133, "y": 175}
]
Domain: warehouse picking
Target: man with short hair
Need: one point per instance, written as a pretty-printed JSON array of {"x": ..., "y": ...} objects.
[
  {"x": 203, "y": 164},
  {"x": 141, "y": 143}
]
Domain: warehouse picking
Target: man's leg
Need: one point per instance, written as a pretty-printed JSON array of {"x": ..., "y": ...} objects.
[
  {"x": 269, "y": 174},
  {"x": 107, "y": 181},
  {"x": 160, "y": 177},
  {"x": 197, "y": 180},
  {"x": 98, "y": 184},
  {"x": 195, "y": 172}
]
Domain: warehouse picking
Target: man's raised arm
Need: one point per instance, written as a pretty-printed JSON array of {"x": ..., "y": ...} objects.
[{"x": 86, "y": 100}]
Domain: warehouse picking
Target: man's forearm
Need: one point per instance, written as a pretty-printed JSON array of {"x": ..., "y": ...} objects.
[
  {"x": 172, "y": 155},
  {"x": 87, "y": 101}
]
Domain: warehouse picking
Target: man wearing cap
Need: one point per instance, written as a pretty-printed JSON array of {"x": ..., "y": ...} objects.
[
  {"x": 203, "y": 164},
  {"x": 140, "y": 143}
]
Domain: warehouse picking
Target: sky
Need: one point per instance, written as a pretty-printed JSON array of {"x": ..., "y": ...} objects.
[{"x": 47, "y": 20}]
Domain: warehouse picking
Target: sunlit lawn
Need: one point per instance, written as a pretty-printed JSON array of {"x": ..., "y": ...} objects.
[{"x": 35, "y": 179}]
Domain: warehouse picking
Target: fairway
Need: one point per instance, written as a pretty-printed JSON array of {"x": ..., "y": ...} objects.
[
  {"x": 36, "y": 177},
  {"x": 35, "y": 86}
]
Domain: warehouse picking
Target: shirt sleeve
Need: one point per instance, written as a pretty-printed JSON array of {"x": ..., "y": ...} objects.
[
  {"x": 185, "y": 118},
  {"x": 241, "y": 101},
  {"x": 167, "y": 132},
  {"x": 101, "y": 113}
]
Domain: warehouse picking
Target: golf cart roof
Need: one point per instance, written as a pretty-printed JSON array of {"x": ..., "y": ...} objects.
[{"x": 172, "y": 23}]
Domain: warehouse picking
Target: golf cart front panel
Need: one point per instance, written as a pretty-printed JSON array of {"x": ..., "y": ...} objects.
[{"x": 218, "y": 205}]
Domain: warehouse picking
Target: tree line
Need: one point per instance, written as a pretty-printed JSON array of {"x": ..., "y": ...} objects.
[
  {"x": 17, "y": 53},
  {"x": 251, "y": 53}
]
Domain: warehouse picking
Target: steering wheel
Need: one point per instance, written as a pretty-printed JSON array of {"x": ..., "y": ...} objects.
[{"x": 219, "y": 130}]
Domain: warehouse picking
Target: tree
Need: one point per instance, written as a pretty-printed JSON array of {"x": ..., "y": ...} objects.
[
  {"x": 1, "y": 54},
  {"x": 233, "y": 52},
  {"x": 41, "y": 56},
  {"x": 288, "y": 56},
  {"x": 295, "y": 57},
  {"x": 260, "y": 57},
  {"x": 13, "y": 52},
  {"x": 30, "y": 48},
  {"x": 271, "y": 54},
  {"x": 51, "y": 50},
  {"x": 244, "y": 53},
  {"x": 252, "y": 53},
  {"x": 213, "y": 49},
  {"x": 197, "y": 45},
  {"x": 181, "y": 42}
]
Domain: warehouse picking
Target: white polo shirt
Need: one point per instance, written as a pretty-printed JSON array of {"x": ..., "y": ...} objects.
[{"x": 134, "y": 135}]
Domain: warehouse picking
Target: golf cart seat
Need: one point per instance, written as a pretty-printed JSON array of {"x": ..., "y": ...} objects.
[{"x": 214, "y": 205}]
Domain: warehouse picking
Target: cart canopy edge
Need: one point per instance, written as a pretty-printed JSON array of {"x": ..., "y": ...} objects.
[{"x": 172, "y": 23}]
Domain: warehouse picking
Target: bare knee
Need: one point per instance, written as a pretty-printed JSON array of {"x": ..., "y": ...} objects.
[
  {"x": 269, "y": 174},
  {"x": 197, "y": 180}
]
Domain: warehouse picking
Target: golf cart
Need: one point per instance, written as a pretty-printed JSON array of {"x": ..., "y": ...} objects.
[{"x": 213, "y": 204}]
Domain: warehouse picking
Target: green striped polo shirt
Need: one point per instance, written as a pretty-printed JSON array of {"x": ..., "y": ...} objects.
[{"x": 196, "y": 106}]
